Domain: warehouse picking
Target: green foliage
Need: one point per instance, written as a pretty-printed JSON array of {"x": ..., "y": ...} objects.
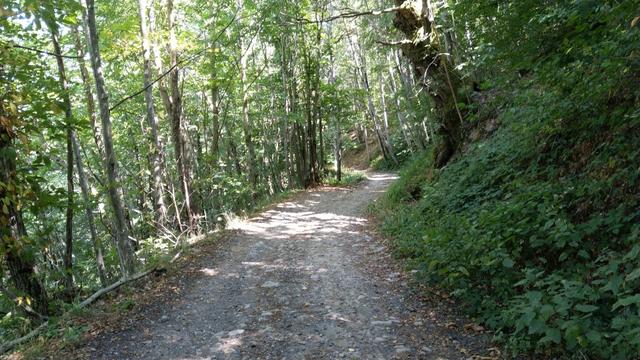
[
  {"x": 349, "y": 178},
  {"x": 535, "y": 229}
]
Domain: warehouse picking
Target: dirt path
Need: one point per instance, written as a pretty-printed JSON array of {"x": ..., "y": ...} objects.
[{"x": 301, "y": 281}]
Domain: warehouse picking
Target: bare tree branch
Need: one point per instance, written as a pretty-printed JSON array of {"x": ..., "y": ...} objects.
[
  {"x": 8, "y": 44},
  {"x": 395, "y": 43},
  {"x": 350, "y": 14}
]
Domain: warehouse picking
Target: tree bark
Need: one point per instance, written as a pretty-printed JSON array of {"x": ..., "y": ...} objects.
[
  {"x": 157, "y": 165},
  {"x": 66, "y": 102},
  {"x": 123, "y": 244},
  {"x": 399, "y": 113},
  {"x": 84, "y": 186},
  {"x": 177, "y": 127},
  {"x": 416, "y": 19},
  {"x": 88, "y": 93},
  {"x": 13, "y": 233},
  {"x": 247, "y": 126},
  {"x": 333, "y": 119},
  {"x": 215, "y": 97}
]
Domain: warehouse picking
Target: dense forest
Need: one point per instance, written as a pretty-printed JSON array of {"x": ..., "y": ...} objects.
[{"x": 128, "y": 128}]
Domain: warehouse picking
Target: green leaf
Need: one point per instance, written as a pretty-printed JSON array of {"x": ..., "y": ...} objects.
[
  {"x": 627, "y": 301},
  {"x": 585, "y": 308},
  {"x": 633, "y": 275},
  {"x": 554, "y": 335},
  {"x": 507, "y": 262}
]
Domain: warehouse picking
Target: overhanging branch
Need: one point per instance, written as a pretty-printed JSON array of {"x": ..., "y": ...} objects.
[
  {"x": 352, "y": 14},
  {"x": 395, "y": 43}
]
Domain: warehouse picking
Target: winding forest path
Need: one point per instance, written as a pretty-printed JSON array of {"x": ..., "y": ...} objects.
[{"x": 303, "y": 280}]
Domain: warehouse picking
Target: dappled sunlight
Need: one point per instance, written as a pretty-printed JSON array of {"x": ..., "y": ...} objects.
[
  {"x": 293, "y": 222},
  {"x": 209, "y": 272},
  {"x": 229, "y": 344},
  {"x": 337, "y": 317},
  {"x": 382, "y": 177}
]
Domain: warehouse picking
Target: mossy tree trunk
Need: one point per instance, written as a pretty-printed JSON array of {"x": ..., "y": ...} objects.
[{"x": 415, "y": 19}]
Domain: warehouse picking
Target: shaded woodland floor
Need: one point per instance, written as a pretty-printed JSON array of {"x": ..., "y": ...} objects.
[{"x": 306, "y": 279}]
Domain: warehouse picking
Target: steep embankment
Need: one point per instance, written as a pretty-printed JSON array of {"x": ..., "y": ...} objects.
[{"x": 535, "y": 228}]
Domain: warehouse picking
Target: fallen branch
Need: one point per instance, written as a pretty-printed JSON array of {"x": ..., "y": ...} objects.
[
  {"x": 11, "y": 344},
  {"x": 114, "y": 286}
]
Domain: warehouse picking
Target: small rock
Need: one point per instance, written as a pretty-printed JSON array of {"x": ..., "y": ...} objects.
[
  {"x": 236, "y": 332},
  {"x": 270, "y": 284},
  {"x": 382, "y": 322}
]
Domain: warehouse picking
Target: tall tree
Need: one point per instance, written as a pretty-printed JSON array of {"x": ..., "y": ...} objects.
[
  {"x": 14, "y": 241},
  {"x": 123, "y": 244},
  {"x": 157, "y": 165},
  {"x": 66, "y": 104},
  {"x": 178, "y": 132}
]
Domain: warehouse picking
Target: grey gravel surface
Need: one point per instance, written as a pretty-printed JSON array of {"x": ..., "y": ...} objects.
[{"x": 304, "y": 280}]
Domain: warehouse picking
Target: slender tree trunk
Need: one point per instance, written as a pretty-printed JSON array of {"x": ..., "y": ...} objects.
[
  {"x": 84, "y": 186},
  {"x": 337, "y": 135},
  {"x": 310, "y": 112},
  {"x": 215, "y": 98},
  {"x": 287, "y": 110},
  {"x": 361, "y": 67},
  {"x": 385, "y": 117},
  {"x": 399, "y": 113},
  {"x": 157, "y": 62},
  {"x": 62, "y": 79},
  {"x": 88, "y": 93},
  {"x": 366, "y": 142},
  {"x": 123, "y": 244},
  {"x": 177, "y": 127},
  {"x": 246, "y": 120},
  {"x": 156, "y": 163},
  {"x": 407, "y": 86}
]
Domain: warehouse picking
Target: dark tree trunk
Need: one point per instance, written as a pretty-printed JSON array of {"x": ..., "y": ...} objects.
[
  {"x": 177, "y": 127},
  {"x": 66, "y": 102},
  {"x": 13, "y": 234},
  {"x": 414, "y": 21}
]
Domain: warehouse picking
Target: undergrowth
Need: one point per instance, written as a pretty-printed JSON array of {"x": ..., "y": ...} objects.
[{"x": 536, "y": 229}]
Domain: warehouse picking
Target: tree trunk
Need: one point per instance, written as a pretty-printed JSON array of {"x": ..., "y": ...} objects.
[
  {"x": 156, "y": 163},
  {"x": 13, "y": 233},
  {"x": 215, "y": 98},
  {"x": 88, "y": 93},
  {"x": 399, "y": 113},
  {"x": 246, "y": 120},
  {"x": 177, "y": 128},
  {"x": 123, "y": 244},
  {"x": 385, "y": 130},
  {"x": 84, "y": 186},
  {"x": 416, "y": 21},
  {"x": 64, "y": 88},
  {"x": 333, "y": 119}
]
